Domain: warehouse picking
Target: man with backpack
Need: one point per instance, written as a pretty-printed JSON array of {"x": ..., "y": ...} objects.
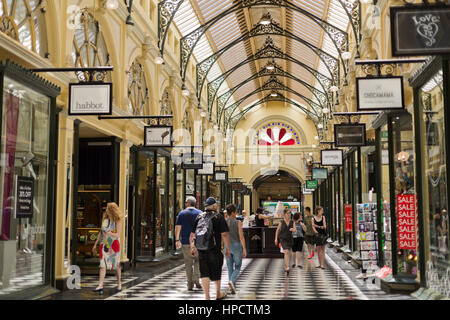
[
  {"x": 209, "y": 229},
  {"x": 185, "y": 222}
]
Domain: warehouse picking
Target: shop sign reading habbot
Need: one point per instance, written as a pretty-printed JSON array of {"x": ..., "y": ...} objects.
[{"x": 90, "y": 99}]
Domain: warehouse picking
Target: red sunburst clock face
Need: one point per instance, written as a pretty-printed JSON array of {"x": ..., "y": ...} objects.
[{"x": 277, "y": 133}]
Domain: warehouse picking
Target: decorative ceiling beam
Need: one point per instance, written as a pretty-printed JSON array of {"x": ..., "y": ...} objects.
[
  {"x": 321, "y": 97},
  {"x": 188, "y": 42},
  {"x": 203, "y": 68},
  {"x": 268, "y": 51},
  {"x": 280, "y": 98},
  {"x": 273, "y": 85}
]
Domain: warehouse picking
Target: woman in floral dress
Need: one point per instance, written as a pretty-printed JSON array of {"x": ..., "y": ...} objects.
[{"x": 109, "y": 238}]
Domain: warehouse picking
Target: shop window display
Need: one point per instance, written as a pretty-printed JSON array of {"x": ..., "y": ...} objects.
[
  {"x": 404, "y": 158},
  {"x": 145, "y": 178},
  {"x": 161, "y": 215},
  {"x": 386, "y": 242},
  {"x": 435, "y": 186},
  {"x": 25, "y": 136}
]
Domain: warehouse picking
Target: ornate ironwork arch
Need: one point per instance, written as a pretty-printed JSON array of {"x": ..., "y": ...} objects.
[
  {"x": 268, "y": 98},
  {"x": 188, "y": 42},
  {"x": 272, "y": 84},
  {"x": 331, "y": 63},
  {"x": 223, "y": 99},
  {"x": 268, "y": 51},
  {"x": 168, "y": 8}
]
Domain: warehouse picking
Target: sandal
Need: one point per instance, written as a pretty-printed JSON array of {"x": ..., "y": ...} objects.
[{"x": 223, "y": 295}]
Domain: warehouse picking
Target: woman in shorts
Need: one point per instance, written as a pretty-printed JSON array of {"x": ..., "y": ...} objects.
[{"x": 297, "y": 233}]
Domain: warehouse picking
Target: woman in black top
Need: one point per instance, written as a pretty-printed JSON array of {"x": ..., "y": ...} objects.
[
  {"x": 320, "y": 226},
  {"x": 284, "y": 232},
  {"x": 259, "y": 218}
]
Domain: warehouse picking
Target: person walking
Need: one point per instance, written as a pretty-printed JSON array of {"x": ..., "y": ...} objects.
[
  {"x": 320, "y": 227},
  {"x": 297, "y": 234},
  {"x": 284, "y": 233},
  {"x": 207, "y": 232},
  {"x": 237, "y": 246},
  {"x": 309, "y": 234},
  {"x": 183, "y": 225},
  {"x": 109, "y": 238}
]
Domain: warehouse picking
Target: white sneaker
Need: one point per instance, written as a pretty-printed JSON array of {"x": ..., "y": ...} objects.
[{"x": 232, "y": 288}]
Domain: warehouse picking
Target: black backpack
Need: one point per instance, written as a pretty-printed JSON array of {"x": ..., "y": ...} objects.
[{"x": 204, "y": 232}]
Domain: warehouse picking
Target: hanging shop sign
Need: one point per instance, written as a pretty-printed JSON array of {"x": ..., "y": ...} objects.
[
  {"x": 90, "y": 99},
  {"x": 350, "y": 134},
  {"x": 379, "y": 93},
  {"x": 319, "y": 173},
  {"x": 311, "y": 184},
  {"x": 419, "y": 30},
  {"x": 221, "y": 176},
  {"x": 348, "y": 218},
  {"x": 332, "y": 157},
  {"x": 192, "y": 161},
  {"x": 207, "y": 169},
  {"x": 24, "y": 197},
  {"x": 307, "y": 191},
  {"x": 158, "y": 136},
  {"x": 237, "y": 186},
  {"x": 189, "y": 189},
  {"x": 406, "y": 221}
]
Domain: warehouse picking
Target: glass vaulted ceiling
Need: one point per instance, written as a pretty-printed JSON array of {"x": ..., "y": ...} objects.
[{"x": 193, "y": 13}]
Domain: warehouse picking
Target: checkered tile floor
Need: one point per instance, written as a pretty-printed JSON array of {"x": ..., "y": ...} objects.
[
  {"x": 20, "y": 283},
  {"x": 261, "y": 279}
]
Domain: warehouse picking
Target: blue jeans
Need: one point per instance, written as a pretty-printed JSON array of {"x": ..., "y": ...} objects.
[{"x": 234, "y": 262}]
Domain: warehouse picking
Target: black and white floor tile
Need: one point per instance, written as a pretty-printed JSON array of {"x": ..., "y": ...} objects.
[{"x": 262, "y": 279}]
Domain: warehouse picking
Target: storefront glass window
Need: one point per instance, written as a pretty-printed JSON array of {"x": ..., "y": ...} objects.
[
  {"x": 171, "y": 226},
  {"x": 23, "y": 167},
  {"x": 403, "y": 144},
  {"x": 161, "y": 225},
  {"x": 435, "y": 188},
  {"x": 145, "y": 178},
  {"x": 384, "y": 197}
]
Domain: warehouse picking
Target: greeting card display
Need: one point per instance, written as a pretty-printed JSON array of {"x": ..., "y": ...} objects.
[{"x": 367, "y": 213}]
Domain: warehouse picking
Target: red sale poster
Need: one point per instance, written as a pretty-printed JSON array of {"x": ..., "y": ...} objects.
[
  {"x": 406, "y": 221},
  {"x": 348, "y": 218}
]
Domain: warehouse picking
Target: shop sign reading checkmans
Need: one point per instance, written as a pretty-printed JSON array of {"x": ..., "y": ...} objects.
[
  {"x": 90, "y": 99},
  {"x": 379, "y": 93},
  {"x": 24, "y": 197}
]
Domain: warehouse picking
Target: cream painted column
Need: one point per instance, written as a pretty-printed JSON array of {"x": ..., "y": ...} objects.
[
  {"x": 309, "y": 202},
  {"x": 125, "y": 146},
  {"x": 65, "y": 142}
]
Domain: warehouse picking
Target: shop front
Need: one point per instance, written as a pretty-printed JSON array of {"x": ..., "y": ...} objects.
[
  {"x": 155, "y": 185},
  {"x": 396, "y": 191},
  {"x": 96, "y": 183},
  {"x": 28, "y": 182},
  {"x": 431, "y": 100}
]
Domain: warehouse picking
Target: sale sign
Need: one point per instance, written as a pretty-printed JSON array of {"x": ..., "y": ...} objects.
[
  {"x": 348, "y": 218},
  {"x": 406, "y": 221}
]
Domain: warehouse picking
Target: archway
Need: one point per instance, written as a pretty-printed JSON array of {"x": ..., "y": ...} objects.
[{"x": 278, "y": 185}]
